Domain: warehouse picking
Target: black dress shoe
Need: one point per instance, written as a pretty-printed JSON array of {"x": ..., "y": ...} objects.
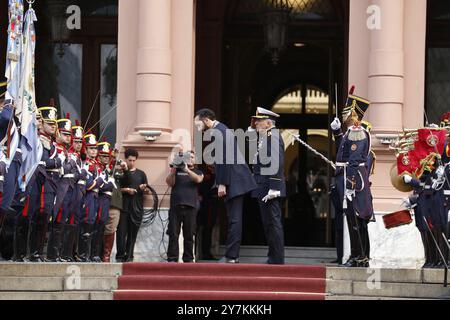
[
  {"x": 96, "y": 260},
  {"x": 351, "y": 263},
  {"x": 36, "y": 258},
  {"x": 228, "y": 260},
  {"x": 363, "y": 263}
]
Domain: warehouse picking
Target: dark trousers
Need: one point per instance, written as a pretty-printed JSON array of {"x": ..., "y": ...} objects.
[
  {"x": 127, "y": 232},
  {"x": 359, "y": 235},
  {"x": 187, "y": 216},
  {"x": 273, "y": 229},
  {"x": 234, "y": 236}
]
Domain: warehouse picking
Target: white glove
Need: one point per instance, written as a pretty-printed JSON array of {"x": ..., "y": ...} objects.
[
  {"x": 407, "y": 179},
  {"x": 62, "y": 156},
  {"x": 440, "y": 171},
  {"x": 407, "y": 203},
  {"x": 350, "y": 194},
  {"x": 273, "y": 194},
  {"x": 336, "y": 124},
  {"x": 250, "y": 129}
]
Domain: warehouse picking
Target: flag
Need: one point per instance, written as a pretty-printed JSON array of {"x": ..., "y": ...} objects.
[
  {"x": 14, "y": 48},
  {"x": 26, "y": 105}
]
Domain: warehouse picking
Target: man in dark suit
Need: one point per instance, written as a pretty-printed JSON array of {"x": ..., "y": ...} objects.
[
  {"x": 268, "y": 171},
  {"x": 233, "y": 179}
]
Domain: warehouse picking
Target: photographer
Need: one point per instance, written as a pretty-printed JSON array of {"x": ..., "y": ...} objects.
[
  {"x": 184, "y": 179},
  {"x": 134, "y": 186}
]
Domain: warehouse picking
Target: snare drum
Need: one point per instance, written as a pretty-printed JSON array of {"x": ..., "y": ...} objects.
[{"x": 397, "y": 219}]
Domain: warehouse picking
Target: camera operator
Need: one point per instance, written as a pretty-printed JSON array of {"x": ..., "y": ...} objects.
[{"x": 184, "y": 179}]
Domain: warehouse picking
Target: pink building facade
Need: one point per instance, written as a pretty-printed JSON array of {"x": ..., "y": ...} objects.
[{"x": 156, "y": 77}]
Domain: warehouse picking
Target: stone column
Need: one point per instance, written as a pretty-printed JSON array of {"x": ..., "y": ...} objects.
[
  {"x": 154, "y": 66},
  {"x": 359, "y": 46},
  {"x": 386, "y": 68},
  {"x": 415, "y": 62}
]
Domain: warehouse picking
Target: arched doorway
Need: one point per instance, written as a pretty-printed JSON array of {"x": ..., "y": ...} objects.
[{"x": 235, "y": 75}]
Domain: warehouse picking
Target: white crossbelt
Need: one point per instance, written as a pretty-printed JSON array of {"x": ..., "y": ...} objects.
[
  {"x": 69, "y": 176},
  {"x": 346, "y": 164},
  {"x": 53, "y": 170},
  {"x": 82, "y": 182}
]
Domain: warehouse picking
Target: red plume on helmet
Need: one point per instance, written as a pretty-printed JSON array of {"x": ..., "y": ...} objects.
[{"x": 352, "y": 90}]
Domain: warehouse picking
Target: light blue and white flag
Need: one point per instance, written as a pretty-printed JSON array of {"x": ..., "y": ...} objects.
[{"x": 26, "y": 108}]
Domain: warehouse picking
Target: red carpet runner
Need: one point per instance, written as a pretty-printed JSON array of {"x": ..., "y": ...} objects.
[{"x": 169, "y": 281}]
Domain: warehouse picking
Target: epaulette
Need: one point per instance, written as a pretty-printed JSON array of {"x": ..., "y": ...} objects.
[{"x": 356, "y": 133}]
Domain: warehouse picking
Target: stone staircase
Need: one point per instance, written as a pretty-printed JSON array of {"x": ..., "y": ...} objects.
[
  {"x": 385, "y": 284},
  {"x": 46, "y": 281}
]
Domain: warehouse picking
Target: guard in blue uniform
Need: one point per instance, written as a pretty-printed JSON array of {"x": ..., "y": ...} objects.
[
  {"x": 21, "y": 205},
  {"x": 268, "y": 171},
  {"x": 90, "y": 200},
  {"x": 8, "y": 175},
  {"x": 63, "y": 181},
  {"x": 104, "y": 199},
  {"x": 352, "y": 178},
  {"x": 234, "y": 180},
  {"x": 72, "y": 204},
  {"x": 43, "y": 190},
  {"x": 418, "y": 201}
]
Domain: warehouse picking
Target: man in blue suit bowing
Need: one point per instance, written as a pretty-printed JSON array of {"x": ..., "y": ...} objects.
[{"x": 233, "y": 178}]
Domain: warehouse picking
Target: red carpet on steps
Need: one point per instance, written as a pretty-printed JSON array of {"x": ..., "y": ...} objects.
[{"x": 201, "y": 281}]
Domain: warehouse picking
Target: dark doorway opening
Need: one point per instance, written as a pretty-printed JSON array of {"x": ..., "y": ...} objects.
[{"x": 235, "y": 75}]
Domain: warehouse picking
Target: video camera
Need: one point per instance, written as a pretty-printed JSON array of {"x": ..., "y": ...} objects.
[{"x": 179, "y": 161}]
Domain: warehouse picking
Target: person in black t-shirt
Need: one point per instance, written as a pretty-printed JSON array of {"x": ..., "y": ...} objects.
[
  {"x": 184, "y": 205},
  {"x": 134, "y": 186}
]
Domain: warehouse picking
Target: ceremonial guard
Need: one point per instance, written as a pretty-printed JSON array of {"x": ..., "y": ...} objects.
[
  {"x": 63, "y": 181},
  {"x": 90, "y": 200},
  {"x": 104, "y": 199},
  {"x": 419, "y": 167},
  {"x": 352, "y": 178},
  {"x": 43, "y": 191},
  {"x": 9, "y": 169},
  {"x": 72, "y": 204},
  {"x": 268, "y": 171}
]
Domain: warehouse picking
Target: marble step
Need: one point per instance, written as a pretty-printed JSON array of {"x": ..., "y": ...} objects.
[
  {"x": 56, "y": 295},
  {"x": 302, "y": 261},
  {"x": 290, "y": 252},
  {"x": 9, "y": 269},
  {"x": 387, "y": 290},
  {"x": 427, "y": 276},
  {"x": 353, "y": 298},
  {"x": 55, "y": 284}
]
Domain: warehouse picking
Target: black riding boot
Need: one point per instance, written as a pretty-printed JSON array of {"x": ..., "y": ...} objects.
[
  {"x": 20, "y": 240},
  {"x": 37, "y": 239},
  {"x": 70, "y": 234},
  {"x": 85, "y": 242},
  {"x": 54, "y": 242},
  {"x": 97, "y": 243}
]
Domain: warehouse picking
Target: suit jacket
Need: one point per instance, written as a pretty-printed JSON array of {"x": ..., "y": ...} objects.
[
  {"x": 273, "y": 180},
  {"x": 236, "y": 176}
]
